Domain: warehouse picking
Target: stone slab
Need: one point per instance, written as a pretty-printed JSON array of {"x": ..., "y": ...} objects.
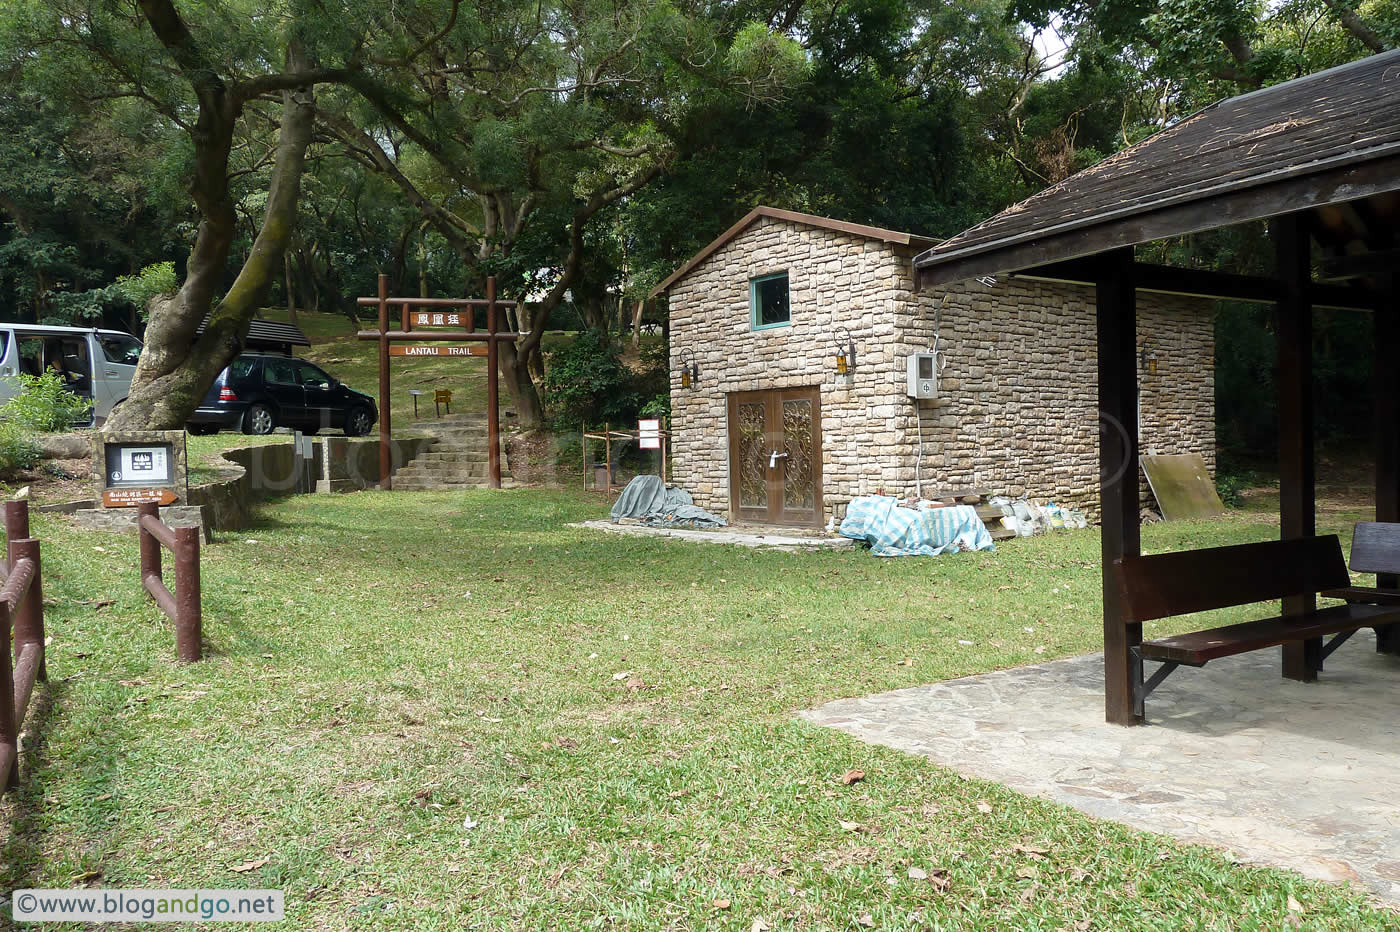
[
  {"x": 731, "y": 536},
  {"x": 1292, "y": 775},
  {"x": 124, "y": 519}
]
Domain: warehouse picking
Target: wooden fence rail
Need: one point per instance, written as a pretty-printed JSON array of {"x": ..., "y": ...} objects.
[
  {"x": 184, "y": 606},
  {"x": 21, "y": 608}
]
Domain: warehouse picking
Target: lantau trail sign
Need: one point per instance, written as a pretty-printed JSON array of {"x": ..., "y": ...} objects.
[
  {"x": 136, "y": 466},
  {"x": 456, "y": 313},
  {"x": 437, "y": 350}
]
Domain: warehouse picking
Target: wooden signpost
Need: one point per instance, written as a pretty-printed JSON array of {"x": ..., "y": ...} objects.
[
  {"x": 458, "y": 314},
  {"x": 134, "y": 467}
]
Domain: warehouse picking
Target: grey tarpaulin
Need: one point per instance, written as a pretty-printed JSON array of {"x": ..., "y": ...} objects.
[{"x": 646, "y": 498}]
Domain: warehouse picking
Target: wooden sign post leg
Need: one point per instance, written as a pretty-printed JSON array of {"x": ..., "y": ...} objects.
[
  {"x": 385, "y": 462},
  {"x": 493, "y": 421}
]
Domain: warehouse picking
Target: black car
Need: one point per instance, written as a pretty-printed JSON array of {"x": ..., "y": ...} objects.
[{"x": 260, "y": 393}]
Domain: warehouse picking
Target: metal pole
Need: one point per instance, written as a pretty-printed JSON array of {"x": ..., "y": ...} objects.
[
  {"x": 189, "y": 621},
  {"x": 29, "y": 620},
  {"x": 493, "y": 420},
  {"x": 385, "y": 480},
  {"x": 150, "y": 547},
  {"x": 9, "y": 727}
]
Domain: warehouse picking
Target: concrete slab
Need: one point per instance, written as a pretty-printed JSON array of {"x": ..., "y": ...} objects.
[
  {"x": 1293, "y": 775},
  {"x": 734, "y": 536}
]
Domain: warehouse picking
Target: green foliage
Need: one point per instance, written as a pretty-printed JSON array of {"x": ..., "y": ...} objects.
[
  {"x": 587, "y": 384},
  {"x": 153, "y": 280},
  {"x": 18, "y": 450},
  {"x": 1231, "y": 486},
  {"x": 44, "y": 405}
]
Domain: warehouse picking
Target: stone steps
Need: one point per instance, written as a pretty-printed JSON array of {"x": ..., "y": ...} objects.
[{"x": 458, "y": 459}]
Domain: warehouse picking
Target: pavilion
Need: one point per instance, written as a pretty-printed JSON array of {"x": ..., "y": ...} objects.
[{"x": 1317, "y": 159}]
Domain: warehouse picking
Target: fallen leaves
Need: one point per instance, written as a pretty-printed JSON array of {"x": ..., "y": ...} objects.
[
  {"x": 759, "y": 925},
  {"x": 721, "y": 904},
  {"x": 866, "y": 920},
  {"x": 247, "y": 866},
  {"x": 852, "y": 776},
  {"x": 984, "y": 807},
  {"x": 851, "y": 826},
  {"x": 918, "y": 873}
]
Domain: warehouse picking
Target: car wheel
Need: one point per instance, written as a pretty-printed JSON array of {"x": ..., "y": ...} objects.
[
  {"x": 358, "y": 422},
  {"x": 259, "y": 419}
]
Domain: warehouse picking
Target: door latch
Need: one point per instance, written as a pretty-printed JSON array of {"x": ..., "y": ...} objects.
[{"x": 774, "y": 457}]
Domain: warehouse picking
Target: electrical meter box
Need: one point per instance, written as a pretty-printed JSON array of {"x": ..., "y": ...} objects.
[{"x": 923, "y": 375}]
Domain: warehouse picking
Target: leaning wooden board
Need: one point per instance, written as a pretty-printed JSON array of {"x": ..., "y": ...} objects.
[{"x": 1183, "y": 486}]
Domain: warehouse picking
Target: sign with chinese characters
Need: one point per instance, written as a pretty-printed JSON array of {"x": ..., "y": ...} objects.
[
  {"x": 441, "y": 319},
  {"x": 401, "y": 349},
  {"x": 130, "y": 467},
  {"x": 649, "y": 434}
]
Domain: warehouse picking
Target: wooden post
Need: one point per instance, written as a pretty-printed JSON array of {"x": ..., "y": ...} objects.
[
  {"x": 385, "y": 459},
  {"x": 493, "y": 420},
  {"x": 16, "y": 522},
  {"x": 29, "y": 619},
  {"x": 1385, "y": 322},
  {"x": 150, "y": 547},
  {"x": 9, "y": 721},
  {"x": 1116, "y": 304},
  {"x": 189, "y": 614},
  {"x": 1293, "y": 332}
]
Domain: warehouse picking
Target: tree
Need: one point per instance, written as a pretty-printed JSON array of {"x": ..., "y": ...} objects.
[{"x": 511, "y": 128}]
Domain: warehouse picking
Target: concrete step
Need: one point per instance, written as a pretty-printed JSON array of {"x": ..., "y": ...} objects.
[
  {"x": 443, "y": 474},
  {"x": 453, "y": 456}
]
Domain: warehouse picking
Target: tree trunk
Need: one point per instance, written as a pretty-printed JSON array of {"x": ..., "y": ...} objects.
[
  {"x": 290, "y": 286},
  {"x": 637, "y": 322},
  {"x": 524, "y": 397},
  {"x": 175, "y": 369}
]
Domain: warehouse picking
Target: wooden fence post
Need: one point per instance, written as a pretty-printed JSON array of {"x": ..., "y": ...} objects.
[
  {"x": 150, "y": 547},
  {"x": 189, "y": 620},
  {"x": 29, "y": 620},
  {"x": 9, "y": 724}
]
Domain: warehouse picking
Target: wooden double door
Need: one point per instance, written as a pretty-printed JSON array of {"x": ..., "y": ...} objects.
[{"x": 775, "y": 456}]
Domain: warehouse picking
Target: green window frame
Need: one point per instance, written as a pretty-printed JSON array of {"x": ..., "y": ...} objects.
[{"x": 765, "y": 307}]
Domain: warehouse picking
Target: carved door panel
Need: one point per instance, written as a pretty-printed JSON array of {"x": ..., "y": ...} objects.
[{"x": 775, "y": 456}]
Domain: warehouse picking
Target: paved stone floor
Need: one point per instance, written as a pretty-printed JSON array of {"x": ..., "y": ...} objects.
[
  {"x": 1300, "y": 776},
  {"x": 737, "y": 535}
]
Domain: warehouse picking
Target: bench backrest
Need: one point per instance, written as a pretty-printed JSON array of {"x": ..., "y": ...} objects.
[
  {"x": 1166, "y": 584},
  {"x": 1375, "y": 547}
]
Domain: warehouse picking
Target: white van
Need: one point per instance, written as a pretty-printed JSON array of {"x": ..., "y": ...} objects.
[{"x": 96, "y": 364}]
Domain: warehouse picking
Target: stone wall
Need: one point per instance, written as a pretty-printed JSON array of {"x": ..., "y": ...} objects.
[{"x": 1018, "y": 406}]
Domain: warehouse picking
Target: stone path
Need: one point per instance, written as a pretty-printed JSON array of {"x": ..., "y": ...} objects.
[
  {"x": 741, "y": 537},
  {"x": 1300, "y": 776}
]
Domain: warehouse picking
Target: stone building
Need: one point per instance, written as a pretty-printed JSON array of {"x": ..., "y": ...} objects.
[{"x": 790, "y": 376}]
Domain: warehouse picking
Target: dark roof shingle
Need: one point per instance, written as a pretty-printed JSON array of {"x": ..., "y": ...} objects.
[{"x": 1324, "y": 124}]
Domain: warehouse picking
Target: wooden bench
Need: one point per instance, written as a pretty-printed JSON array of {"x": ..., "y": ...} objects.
[
  {"x": 1168, "y": 584},
  {"x": 1375, "y": 548}
]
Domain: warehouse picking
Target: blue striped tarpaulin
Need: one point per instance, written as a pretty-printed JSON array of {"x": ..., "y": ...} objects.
[{"x": 906, "y": 532}]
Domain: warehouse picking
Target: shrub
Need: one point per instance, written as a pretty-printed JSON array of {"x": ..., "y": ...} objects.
[
  {"x": 18, "y": 450},
  {"x": 586, "y": 383},
  {"x": 44, "y": 404}
]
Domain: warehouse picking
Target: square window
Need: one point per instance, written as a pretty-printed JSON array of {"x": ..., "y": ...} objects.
[{"x": 768, "y": 297}]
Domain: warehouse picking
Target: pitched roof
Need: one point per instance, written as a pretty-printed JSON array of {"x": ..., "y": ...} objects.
[
  {"x": 268, "y": 333},
  {"x": 825, "y": 223},
  {"x": 1322, "y": 139}
]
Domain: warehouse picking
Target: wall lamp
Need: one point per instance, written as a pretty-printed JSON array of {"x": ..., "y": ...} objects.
[
  {"x": 846, "y": 351},
  {"x": 690, "y": 371},
  {"x": 1148, "y": 358}
]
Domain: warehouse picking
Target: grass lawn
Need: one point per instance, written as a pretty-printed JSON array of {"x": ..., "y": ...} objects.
[{"x": 446, "y": 711}]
